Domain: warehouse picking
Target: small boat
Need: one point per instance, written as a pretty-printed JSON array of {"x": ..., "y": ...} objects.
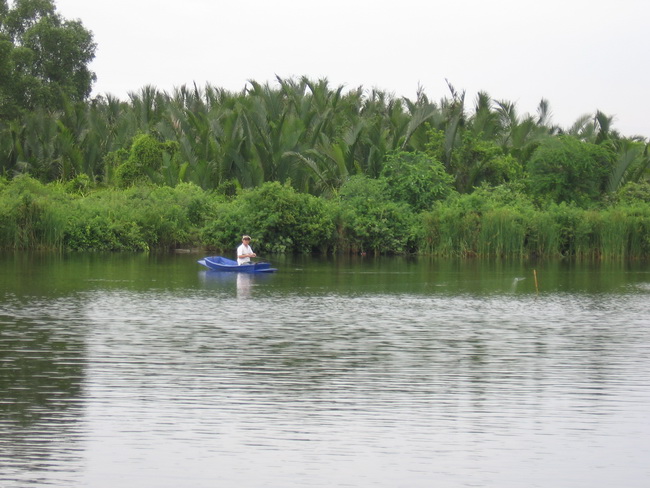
[{"x": 219, "y": 263}]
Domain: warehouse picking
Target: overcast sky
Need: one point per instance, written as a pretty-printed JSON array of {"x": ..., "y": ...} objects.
[{"x": 580, "y": 55}]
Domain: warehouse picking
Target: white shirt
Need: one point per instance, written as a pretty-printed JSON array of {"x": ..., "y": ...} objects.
[{"x": 243, "y": 249}]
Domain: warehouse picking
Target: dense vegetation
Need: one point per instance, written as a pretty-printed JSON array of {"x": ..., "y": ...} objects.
[
  {"x": 363, "y": 217},
  {"x": 43, "y": 58},
  {"x": 306, "y": 167}
]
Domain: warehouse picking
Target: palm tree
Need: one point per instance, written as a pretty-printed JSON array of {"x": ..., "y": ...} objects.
[
  {"x": 520, "y": 135},
  {"x": 595, "y": 128},
  {"x": 486, "y": 123},
  {"x": 147, "y": 107},
  {"x": 422, "y": 114},
  {"x": 632, "y": 162},
  {"x": 454, "y": 122}
]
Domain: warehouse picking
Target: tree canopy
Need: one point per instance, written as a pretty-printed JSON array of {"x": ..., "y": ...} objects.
[
  {"x": 44, "y": 58},
  {"x": 298, "y": 131}
]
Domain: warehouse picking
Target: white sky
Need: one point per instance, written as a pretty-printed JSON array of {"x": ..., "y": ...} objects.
[{"x": 581, "y": 55}]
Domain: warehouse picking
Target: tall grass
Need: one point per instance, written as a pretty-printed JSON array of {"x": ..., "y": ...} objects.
[
  {"x": 502, "y": 233},
  {"x": 29, "y": 217},
  {"x": 624, "y": 232},
  {"x": 543, "y": 235},
  {"x": 450, "y": 232},
  {"x": 510, "y": 231}
]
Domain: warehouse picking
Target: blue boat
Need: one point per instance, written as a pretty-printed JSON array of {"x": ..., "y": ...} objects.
[{"x": 219, "y": 263}]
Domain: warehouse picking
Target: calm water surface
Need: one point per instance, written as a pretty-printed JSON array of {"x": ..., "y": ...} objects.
[{"x": 146, "y": 371}]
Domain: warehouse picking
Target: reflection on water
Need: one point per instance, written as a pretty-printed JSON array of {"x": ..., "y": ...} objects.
[
  {"x": 241, "y": 283},
  {"x": 41, "y": 370},
  {"x": 244, "y": 284},
  {"x": 337, "y": 381}
]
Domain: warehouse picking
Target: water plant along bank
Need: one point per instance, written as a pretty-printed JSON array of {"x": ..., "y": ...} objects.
[{"x": 362, "y": 217}]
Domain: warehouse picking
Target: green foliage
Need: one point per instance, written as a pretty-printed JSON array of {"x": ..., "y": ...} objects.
[
  {"x": 496, "y": 223},
  {"x": 128, "y": 174},
  {"x": 43, "y": 58},
  {"x": 632, "y": 162},
  {"x": 80, "y": 184},
  {"x": 303, "y": 132},
  {"x": 435, "y": 146},
  {"x": 543, "y": 235},
  {"x": 492, "y": 221},
  {"x": 564, "y": 169},
  {"x": 225, "y": 226},
  {"x": 634, "y": 193},
  {"x": 308, "y": 167},
  {"x": 369, "y": 221},
  {"x": 112, "y": 161},
  {"x": 146, "y": 152},
  {"x": 474, "y": 160},
  {"x": 576, "y": 229},
  {"x": 30, "y": 216},
  {"x": 87, "y": 230},
  {"x": 144, "y": 161},
  {"x": 286, "y": 220},
  {"x": 137, "y": 219},
  {"x": 503, "y": 232},
  {"x": 279, "y": 218},
  {"x": 486, "y": 222},
  {"x": 416, "y": 179},
  {"x": 450, "y": 231},
  {"x": 33, "y": 215}
]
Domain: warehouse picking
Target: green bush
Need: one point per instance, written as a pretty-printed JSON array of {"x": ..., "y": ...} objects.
[
  {"x": 478, "y": 161},
  {"x": 277, "y": 217},
  {"x": 450, "y": 230},
  {"x": 137, "y": 219},
  {"x": 543, "y": 236},
  {"x": 416, "y": 179},
  {"x": 146, "y": 152},
  {"x": 625, "y": 231},
  {"x": 224, "y": 227},
  {"x": 564, "y": 169},
  {"x": 103, "y": 233},
  {"x": 369, "y": 221},
  {"x": 144, "y": 161},
  {"x": 634, "y": 192}
]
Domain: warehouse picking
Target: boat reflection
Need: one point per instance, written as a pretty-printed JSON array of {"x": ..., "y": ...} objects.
[{"x": 242, "y": 283}]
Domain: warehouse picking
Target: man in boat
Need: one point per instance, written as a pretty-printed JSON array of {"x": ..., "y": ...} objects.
[{"x": 244, "y": 251}]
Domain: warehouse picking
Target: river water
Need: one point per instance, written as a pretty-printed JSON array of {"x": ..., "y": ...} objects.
[{"x": 147, "y": 371}]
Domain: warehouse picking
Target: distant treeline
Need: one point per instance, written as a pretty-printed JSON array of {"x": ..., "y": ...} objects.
[
  {"x": 315, "y": 137},
  {"x": 308, "y": 167}
]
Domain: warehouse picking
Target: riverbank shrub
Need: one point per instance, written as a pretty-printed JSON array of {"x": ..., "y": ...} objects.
[
  {"x": 491, "y": 221},
  {"x": 368, "y": 221},
  {"x": 280, "y": 219},
  {"x": 30, "y": 216},
  {"x": 35, "y": 216},
  {"x": 87, "y": 230}
]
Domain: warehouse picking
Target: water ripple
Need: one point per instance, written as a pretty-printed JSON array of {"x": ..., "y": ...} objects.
[{"x": 197, "y": 386}]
